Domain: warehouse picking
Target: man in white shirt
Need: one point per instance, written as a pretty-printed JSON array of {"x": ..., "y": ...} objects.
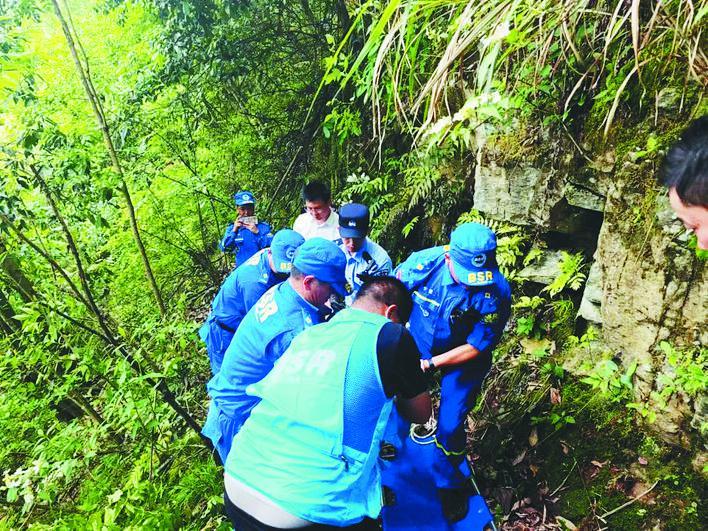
[
  {"x": 319, "y": 220},
  {"x": 363, "y": 255}
]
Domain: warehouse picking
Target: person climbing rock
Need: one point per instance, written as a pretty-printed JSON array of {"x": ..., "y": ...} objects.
[
  {"x": 246, "y": 235},
  {"x": 461, "y": 303}
]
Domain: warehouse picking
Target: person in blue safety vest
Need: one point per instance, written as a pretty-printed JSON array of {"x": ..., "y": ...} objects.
[
  {"x": 307, "y": 457},
  {"x": 364, "y": 257},
  {"x": 246, "y": 235},
  {"x": 461, "y": 305},
  {"x": 242, "y": 289},
  {"x": 267, "y": 330}
]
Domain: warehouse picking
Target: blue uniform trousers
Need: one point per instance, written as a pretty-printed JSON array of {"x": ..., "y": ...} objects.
[{"x": 458, "y": 392}]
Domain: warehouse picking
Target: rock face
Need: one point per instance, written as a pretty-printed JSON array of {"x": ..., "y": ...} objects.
[
  {"x": 522, "y": 194},
  {"x": 645, "y": 285},
  {"x": 591, "y": 303},
  {"x": 545, "y": 270},
  {"x": 528, "y": 195},
  {"x": 653, "y": 289}
]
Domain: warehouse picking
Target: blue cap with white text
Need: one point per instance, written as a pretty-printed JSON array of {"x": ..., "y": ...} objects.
[
  {"x": 244, "y": 197},
  {"x": 353, "y": 220},
  {"x": 325, "y": 261},
  {"x": 283, "y": 247},
  {"x": 472, "y": 250}
]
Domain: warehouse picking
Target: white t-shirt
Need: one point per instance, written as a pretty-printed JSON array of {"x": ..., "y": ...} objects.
[{"x": 306, "y": 225}]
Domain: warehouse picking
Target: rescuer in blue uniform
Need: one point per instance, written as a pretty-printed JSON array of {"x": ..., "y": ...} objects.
[
  {"x": 242, "y": 289},
  {"x": 267, "y": 330},
  {"x": 307, "y": 457},
  {"x": 364, "y": 256},
  {"x": 461, "y": 305},
  {"x": 244, "y": 238}
]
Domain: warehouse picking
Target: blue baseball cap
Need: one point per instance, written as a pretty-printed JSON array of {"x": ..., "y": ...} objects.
[
  {"x": 283, "y": 247},
  {"x": 325, "y": 261},
  {"x": 244, "y": 197},
  {"x": 353, "y": 221},
  {"x": 472, "y": 250}
]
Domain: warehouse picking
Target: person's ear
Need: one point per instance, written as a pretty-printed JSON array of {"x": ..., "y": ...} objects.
[
  {"x": 391, "y": 313},
  {"x": 308, "y": 281}
]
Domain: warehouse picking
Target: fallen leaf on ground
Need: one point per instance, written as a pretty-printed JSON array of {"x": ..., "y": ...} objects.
[
  {"x": 520, "y": 504},
  {"x": 533, "y": 437},
  {"x": 566, "y": 524},
  {"x": 555, "y": 396},
  {"x": 519, "y": 458}
]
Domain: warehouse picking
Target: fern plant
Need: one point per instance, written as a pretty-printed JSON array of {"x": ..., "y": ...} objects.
[{"x": 571, "y": 274}]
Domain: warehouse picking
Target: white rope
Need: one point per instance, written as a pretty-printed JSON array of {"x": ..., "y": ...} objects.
[{"x": 430, "y": 426}]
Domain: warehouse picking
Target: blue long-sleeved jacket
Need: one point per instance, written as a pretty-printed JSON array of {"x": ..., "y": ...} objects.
[{"x": 243, "y": 243}]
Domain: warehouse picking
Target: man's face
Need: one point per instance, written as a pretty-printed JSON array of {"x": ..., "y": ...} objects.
[
  {"x": 319, "y": 292},
  {"x": 694, "y": 217},
  {"x": 245, "y": 210},
  {"x": 320, "y": 210},
  {"x": 352, "y": 245}
]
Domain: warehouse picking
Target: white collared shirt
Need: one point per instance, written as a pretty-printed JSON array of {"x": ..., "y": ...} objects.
[{"x": 308, "y": 227}]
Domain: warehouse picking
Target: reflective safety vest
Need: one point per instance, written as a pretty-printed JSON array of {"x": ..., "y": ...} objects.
[{"x": 312, "y": 444}]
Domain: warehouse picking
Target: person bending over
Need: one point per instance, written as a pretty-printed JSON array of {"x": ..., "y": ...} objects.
[
  {"x": 461, "y": 303},
  {"x": 266, "y": 331},
  {"x": 242, "y": 289},
  {"x": 307, "y": 457}
]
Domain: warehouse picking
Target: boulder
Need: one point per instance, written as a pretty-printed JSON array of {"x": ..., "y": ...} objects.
[
  {"x": 521, "y": 194},
  {"x": 545, "y": 269}
]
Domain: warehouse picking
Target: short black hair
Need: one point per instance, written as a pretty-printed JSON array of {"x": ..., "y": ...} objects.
[
  {"x": 388, "y": 290},
  {"x": 295, "y": 273},
  {"x": 316, "y": 191},
  {"x": 686, "y": 164}
]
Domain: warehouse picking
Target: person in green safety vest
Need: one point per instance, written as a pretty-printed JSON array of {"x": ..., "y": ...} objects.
[
  {"x": 266, "y": 331},
  {"x": 307, "y": 457}
]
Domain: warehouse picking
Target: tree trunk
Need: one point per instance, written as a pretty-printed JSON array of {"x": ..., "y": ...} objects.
[
  {"x": 7, "y": 314},
  {"x": 103, "y": 125},
  {"x": 21, "y": 284},
  {"x": 103, "y": 322}
]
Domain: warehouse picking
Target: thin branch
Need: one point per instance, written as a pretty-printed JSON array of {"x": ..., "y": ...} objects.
[
  {"x": 630, "y": 502},
  {"x": 53, "y": 263}
]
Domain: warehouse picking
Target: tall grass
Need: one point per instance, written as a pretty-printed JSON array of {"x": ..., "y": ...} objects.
[{"x": 423, "y": 59}]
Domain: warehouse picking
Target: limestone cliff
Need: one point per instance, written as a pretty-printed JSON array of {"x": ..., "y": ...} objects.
[{"x": 644, "y": 286}]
